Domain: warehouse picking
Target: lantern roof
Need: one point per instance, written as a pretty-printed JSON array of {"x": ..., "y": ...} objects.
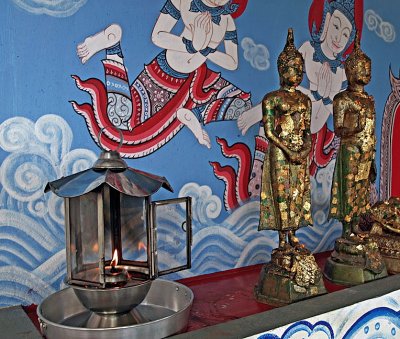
[{"x": 127, "y": 180}]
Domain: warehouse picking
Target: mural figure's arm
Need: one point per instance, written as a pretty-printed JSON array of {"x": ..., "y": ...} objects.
[
  {"x": 321, "y": 102},
  {"x": 229, "y": 59},
  {"x": 320, "y": 110},
  {"x": 163, "y": 37},
  {"x": 185, "y": 52},
  {"x": 320, "y": 114}
]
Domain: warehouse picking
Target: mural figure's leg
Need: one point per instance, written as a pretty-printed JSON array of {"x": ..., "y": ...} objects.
[
  {"x": 188, "y": 118},
  {"x": 119, "y": 108},
  {"x": 100, "y": 41},
  {"x": 119, "y": 103}
]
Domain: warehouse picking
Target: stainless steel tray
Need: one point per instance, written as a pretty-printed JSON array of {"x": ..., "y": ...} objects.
[{"x": 164, "y": 311}]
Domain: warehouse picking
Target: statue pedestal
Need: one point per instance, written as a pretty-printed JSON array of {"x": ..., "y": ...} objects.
[
  {"x": 389, "y": 248},
  {"x": 354, "y": 261},
  {"x": 290, "y": 276},
  {"x": 346, "y": 274}
]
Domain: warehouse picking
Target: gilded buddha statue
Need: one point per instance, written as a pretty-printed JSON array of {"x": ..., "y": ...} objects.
[
  {"x": 285, "y": 203},
  {"x": 356, "y": 258},
  {"x": 383, "y": 226}
]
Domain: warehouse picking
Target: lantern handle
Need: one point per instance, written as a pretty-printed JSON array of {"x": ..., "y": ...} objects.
[
  {"x": 183, "y": 226},
  {"x": 121, "y": 137}
]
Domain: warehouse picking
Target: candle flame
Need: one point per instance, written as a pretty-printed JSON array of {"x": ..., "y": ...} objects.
[
  {"x": 95, "y": 247},
  {"x": 141, "y": 246},
  {"x": 114, "y": 261}
]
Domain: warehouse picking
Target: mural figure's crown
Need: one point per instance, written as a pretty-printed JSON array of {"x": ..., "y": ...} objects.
[{"x": 344, "y": 6}]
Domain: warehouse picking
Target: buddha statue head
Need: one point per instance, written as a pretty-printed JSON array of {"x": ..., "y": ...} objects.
[
  {"x": 358, "y": 66},
  {"x": 290, "y": 63}
]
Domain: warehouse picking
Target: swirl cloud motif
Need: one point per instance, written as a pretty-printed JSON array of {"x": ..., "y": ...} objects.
[
  {"x": 60, "y": 8},
  {"x": 256, "y": 54},
  {"x": 383, "y": 29},
  {"x": 32, "y": 244},
  {"x": 206, "y": 206},
  {"x": 304, "y": 329},
  {"x": 381, "y": 322}
]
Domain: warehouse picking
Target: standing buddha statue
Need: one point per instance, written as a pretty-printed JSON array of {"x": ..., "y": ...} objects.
[
  {"x": 356, "y": 258},
  {"x": 285, "y": 205}
]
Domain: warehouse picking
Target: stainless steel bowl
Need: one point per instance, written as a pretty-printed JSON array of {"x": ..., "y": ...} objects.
[{"x": 113, "y": 300}]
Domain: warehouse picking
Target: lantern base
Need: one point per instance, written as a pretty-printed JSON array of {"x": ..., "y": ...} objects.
[
  {"x": 114, "y": 300},
  {"x": 164, "y": 312}
]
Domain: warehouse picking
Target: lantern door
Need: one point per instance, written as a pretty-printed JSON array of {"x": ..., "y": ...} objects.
[{"x": 172, "y": 235}]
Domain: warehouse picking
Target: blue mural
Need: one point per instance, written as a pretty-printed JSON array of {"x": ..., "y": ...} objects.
[
  {"x": 43, "y": 138},
  {"x": 32, "y": 248},
  {"x": 32, "y": 261}
]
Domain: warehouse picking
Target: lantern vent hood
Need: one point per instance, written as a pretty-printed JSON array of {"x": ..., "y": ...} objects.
[{"x": 110, "y": 169}]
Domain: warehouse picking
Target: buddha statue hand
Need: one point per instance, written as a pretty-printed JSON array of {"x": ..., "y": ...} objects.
[{"x": 294, "y": 157}]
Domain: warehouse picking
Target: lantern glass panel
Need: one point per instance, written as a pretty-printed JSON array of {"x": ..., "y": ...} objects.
[
  {"x": 134, "y": 228},
  {"x": 173, "y": 221},
  {"x": 84, "y": 245},
  {"x": 125, "y": 228}
]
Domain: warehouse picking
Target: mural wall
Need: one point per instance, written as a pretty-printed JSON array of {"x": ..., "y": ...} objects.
[{"x": 71, "y": 68}]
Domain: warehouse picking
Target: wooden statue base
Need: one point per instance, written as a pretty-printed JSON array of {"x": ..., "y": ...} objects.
[{"x": 278, "y": 284}]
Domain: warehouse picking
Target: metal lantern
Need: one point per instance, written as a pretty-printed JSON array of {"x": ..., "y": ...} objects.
[{"x": 110, "y": 223}]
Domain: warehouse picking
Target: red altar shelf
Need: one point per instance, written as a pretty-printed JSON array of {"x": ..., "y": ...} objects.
[
  {"x": 222, "y": 296},
  {"x": 228, "y": 295}
]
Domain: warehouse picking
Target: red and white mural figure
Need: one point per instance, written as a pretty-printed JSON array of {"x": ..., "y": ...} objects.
[
  {"x": 174, "y": 90},
  {"x": 332, "y": 26}
]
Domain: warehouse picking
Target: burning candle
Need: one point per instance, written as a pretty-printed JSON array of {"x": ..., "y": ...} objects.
[{"x": 115, "y": 274}]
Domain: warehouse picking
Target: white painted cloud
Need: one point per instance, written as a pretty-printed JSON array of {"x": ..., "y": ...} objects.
[
  {"x": 56, "y": 8},
  {"x": 256, "y": 54},
  {"x": 383, "y": 29},
  {"x": 206, "y": 206}
]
